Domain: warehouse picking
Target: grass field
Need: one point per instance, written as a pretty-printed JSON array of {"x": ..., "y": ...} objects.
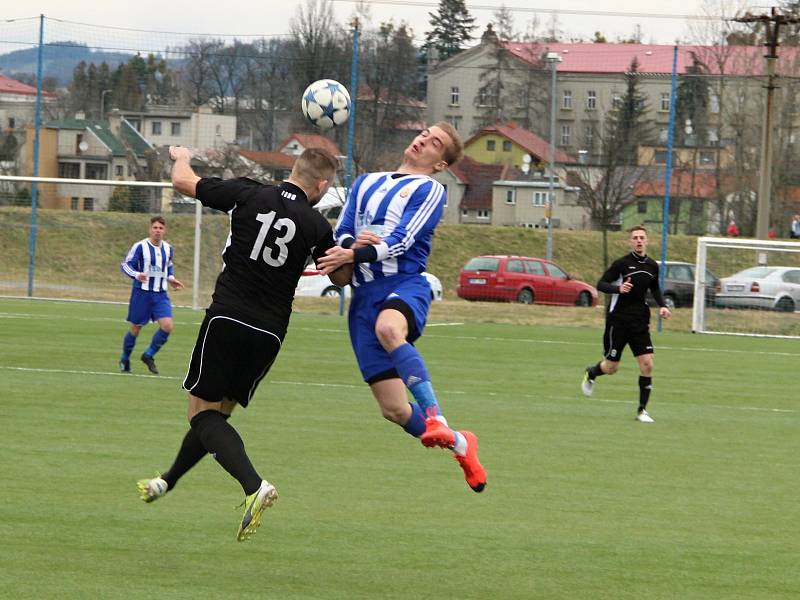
[{"x": 582, "y": 501}]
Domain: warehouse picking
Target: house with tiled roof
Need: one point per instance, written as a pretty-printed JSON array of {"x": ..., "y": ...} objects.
[
  {"x": 590, "y": 80},
  {"x": 80, "y": 148},
  {"x": 297, "y": 142},
  {"x": 277, "y": 165},
  {"x": 507, "y": 143},
  {"x": 501, "y": 194}
]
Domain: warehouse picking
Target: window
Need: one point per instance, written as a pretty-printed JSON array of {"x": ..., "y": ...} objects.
[
  {"x": 510, "y": 197},
  {"x": 88, "y": 204},
  {"x": 483, "y": 214},
  {"x": 455, "y": 121},
  {"x": 588, "y": 136},
  {"x": 155, "y": 127},
  {"x": 514, "y": 266},
  {"x": 616, "y": 101},
  {"x": 641, "y": 207},
  {"x": 490, "y": 144},
  {"x": 791, "y": 277},
  {"x": 12, "y": 122},
  {"x": 534, "y": 267},
  {"x": 506, "y": 146},
  {"x": 539, "y": 198},
  {"x": 680, "y": 272},
  {"x": 480, "y": 263},
  {"x": 484, "y": 98},
  {"x": 707, "y": 157},
  {"x": 95, "y": 171},
  {"x": 119, "y": 171},
  {"x": 566, "y": 100},
  {"x": 556, "y": 271},
  {"x": 714, "y": 104},
  {"x": 665, "y": 102},
  {"x": 591, "y": 100},
  {"x": 464, "y": 212},
  {"x": 68, "y": 170},
  {"x": 454, "y": 94},
  {"x": 78, "y": 142},
  {"x": 522, "y": 98},
  {"x": 713, "y": 136},
  {"x": 566, "y": 131},
  {"x": 660, "y": 157},
  {"x": 663, "y": 136},
  {"x": 175, "y": 128},
  {"x": 218, "y": 130},
  {"x": 73, "y": 203}
]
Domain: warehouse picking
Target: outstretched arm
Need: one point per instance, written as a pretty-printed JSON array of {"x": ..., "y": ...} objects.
[{"x": 184, "y": 179}]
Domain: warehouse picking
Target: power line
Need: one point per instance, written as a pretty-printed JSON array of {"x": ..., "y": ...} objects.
[{"x": 550, "y": 11}]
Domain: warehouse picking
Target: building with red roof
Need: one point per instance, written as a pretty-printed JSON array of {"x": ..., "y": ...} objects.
[{"x": 297, "y": 142}]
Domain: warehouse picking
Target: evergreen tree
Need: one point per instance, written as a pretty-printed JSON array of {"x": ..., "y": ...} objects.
[
  {"x": 626, "y": 124},
  {"x": 451, "y": 26}
]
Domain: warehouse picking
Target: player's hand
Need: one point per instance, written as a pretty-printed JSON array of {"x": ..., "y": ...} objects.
[
  {"x": 366, "y": 238},
  {"x": 179, "y": 152},
  {"x": 626, "y": 286},
  {"x": 664, "y": 312},
  {"x": 141, "y": 277},
  {"x": 175, "y": 284},
  {"x": 334, "y": 258}
]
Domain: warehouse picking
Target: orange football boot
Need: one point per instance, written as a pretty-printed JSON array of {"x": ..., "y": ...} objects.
[
  {"x": 474, "y": 472},
  {"x": 437, "y": 434}
]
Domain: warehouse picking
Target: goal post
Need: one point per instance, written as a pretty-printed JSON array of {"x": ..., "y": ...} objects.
[{"x": 747, "y": 287}]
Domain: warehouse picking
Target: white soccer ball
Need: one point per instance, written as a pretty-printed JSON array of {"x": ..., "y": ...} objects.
[{"x": 326, "y": 104}]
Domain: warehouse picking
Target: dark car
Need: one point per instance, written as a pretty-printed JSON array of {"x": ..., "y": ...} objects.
[
  {"x": 678, "y": 288},
  {"x": 523, "y": 279}
]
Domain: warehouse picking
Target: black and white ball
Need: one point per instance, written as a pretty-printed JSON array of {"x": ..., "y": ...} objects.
[{"x": 326, "y": 104}]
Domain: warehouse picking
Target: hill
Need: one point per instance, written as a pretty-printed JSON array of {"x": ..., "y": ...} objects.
[
  {"x": 82, "y": 250},
  {"x": 60, "y": 59}
]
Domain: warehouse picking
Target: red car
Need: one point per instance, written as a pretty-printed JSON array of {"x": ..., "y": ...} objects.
[{"x": 522, "y": 279}]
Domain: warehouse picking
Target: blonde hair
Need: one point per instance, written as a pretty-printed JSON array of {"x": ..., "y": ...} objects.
[
  {"x": 314, "y": 165},
  {"x": 638, "y": 228},
  {"x": 453, "y": 152}
]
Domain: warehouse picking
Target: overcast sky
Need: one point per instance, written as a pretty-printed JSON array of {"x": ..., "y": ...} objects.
[{"x": 271, "y": 17}]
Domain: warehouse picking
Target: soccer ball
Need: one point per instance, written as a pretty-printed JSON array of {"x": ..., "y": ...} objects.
[{"x": 326, "y": 103}]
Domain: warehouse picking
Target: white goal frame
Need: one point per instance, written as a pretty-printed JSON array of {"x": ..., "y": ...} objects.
[{"x": 703, "y": 243}]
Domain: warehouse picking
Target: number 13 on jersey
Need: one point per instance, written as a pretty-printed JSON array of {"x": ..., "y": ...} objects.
[{"x": 280, "y": 248}]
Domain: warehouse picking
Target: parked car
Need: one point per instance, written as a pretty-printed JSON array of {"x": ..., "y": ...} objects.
[
  {"x": 776, "y": 288},
  {"x": 523, "y": 279},
  {"x": 314, "y": 284},
  {"x": 678, "y": 290}
]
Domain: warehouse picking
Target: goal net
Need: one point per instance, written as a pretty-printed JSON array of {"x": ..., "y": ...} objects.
[{"x": 747, "y": 287}]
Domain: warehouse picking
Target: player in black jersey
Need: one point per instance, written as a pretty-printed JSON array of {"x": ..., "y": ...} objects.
[
  {"x": 628, "y": 317},
  {"x": 274, "y": 230}
]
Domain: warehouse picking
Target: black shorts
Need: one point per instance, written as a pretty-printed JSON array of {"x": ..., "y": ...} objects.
[
  {"x": 618, "y": 335},
  {"x": 229, "y": 360}
]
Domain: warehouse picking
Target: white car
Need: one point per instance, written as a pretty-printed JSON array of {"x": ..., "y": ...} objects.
[
  {"x": 776, "y": 288},
  {"x": 316, "y": 285}
]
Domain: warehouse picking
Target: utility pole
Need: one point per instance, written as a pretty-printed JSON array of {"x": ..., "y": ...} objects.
[
  {"x": 552, "y": 58},
  {"x": 772, "y": 23}
]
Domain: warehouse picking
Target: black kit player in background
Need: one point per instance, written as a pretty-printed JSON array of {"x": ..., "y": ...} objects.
[
  {"x": 274, "y": 230},
  {"x": 628, "y": 317}
]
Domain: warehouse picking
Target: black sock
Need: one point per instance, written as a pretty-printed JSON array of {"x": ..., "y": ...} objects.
[
  {"x": 595, "y": 371},
  {"x": 645, "y": 385},
  {"x": 221, "y": 439},
  {"x": 189, "y": 454}
]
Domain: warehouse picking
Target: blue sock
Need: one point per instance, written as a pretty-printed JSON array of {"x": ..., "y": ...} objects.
[
  {"x": 412, "y": 371},
  {"x": 128, "y": 342},
  {"x": 416, "y": 423},
  {"x": 159, "y": 339}
]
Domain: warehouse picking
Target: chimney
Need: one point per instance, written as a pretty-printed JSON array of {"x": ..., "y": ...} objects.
[
  {"x": 114, "y": 120},
  {"x": 80, "y": 115}
]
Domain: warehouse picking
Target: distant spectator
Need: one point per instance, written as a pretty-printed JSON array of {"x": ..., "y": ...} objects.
[
  {"x": 794, "y": 229},
  {"x": 733, "y": 230}
]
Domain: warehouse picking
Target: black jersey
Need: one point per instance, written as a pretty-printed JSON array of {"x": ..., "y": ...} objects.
[
  {"x": 643, "y": 273},
  {"x": 273, "y": 230}
]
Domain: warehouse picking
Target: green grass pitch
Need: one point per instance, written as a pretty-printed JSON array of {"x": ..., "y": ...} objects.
[{"x": 582, "y": 501}]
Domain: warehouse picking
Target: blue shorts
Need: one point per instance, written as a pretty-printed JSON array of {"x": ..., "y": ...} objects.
[
  {"x": 146, "y": 306},
  {"x": 412, "y": 290}
]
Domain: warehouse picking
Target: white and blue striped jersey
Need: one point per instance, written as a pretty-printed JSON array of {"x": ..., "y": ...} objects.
[
  {"x": 155, "y": 261},
  {"x": 403, "y": 210}
]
